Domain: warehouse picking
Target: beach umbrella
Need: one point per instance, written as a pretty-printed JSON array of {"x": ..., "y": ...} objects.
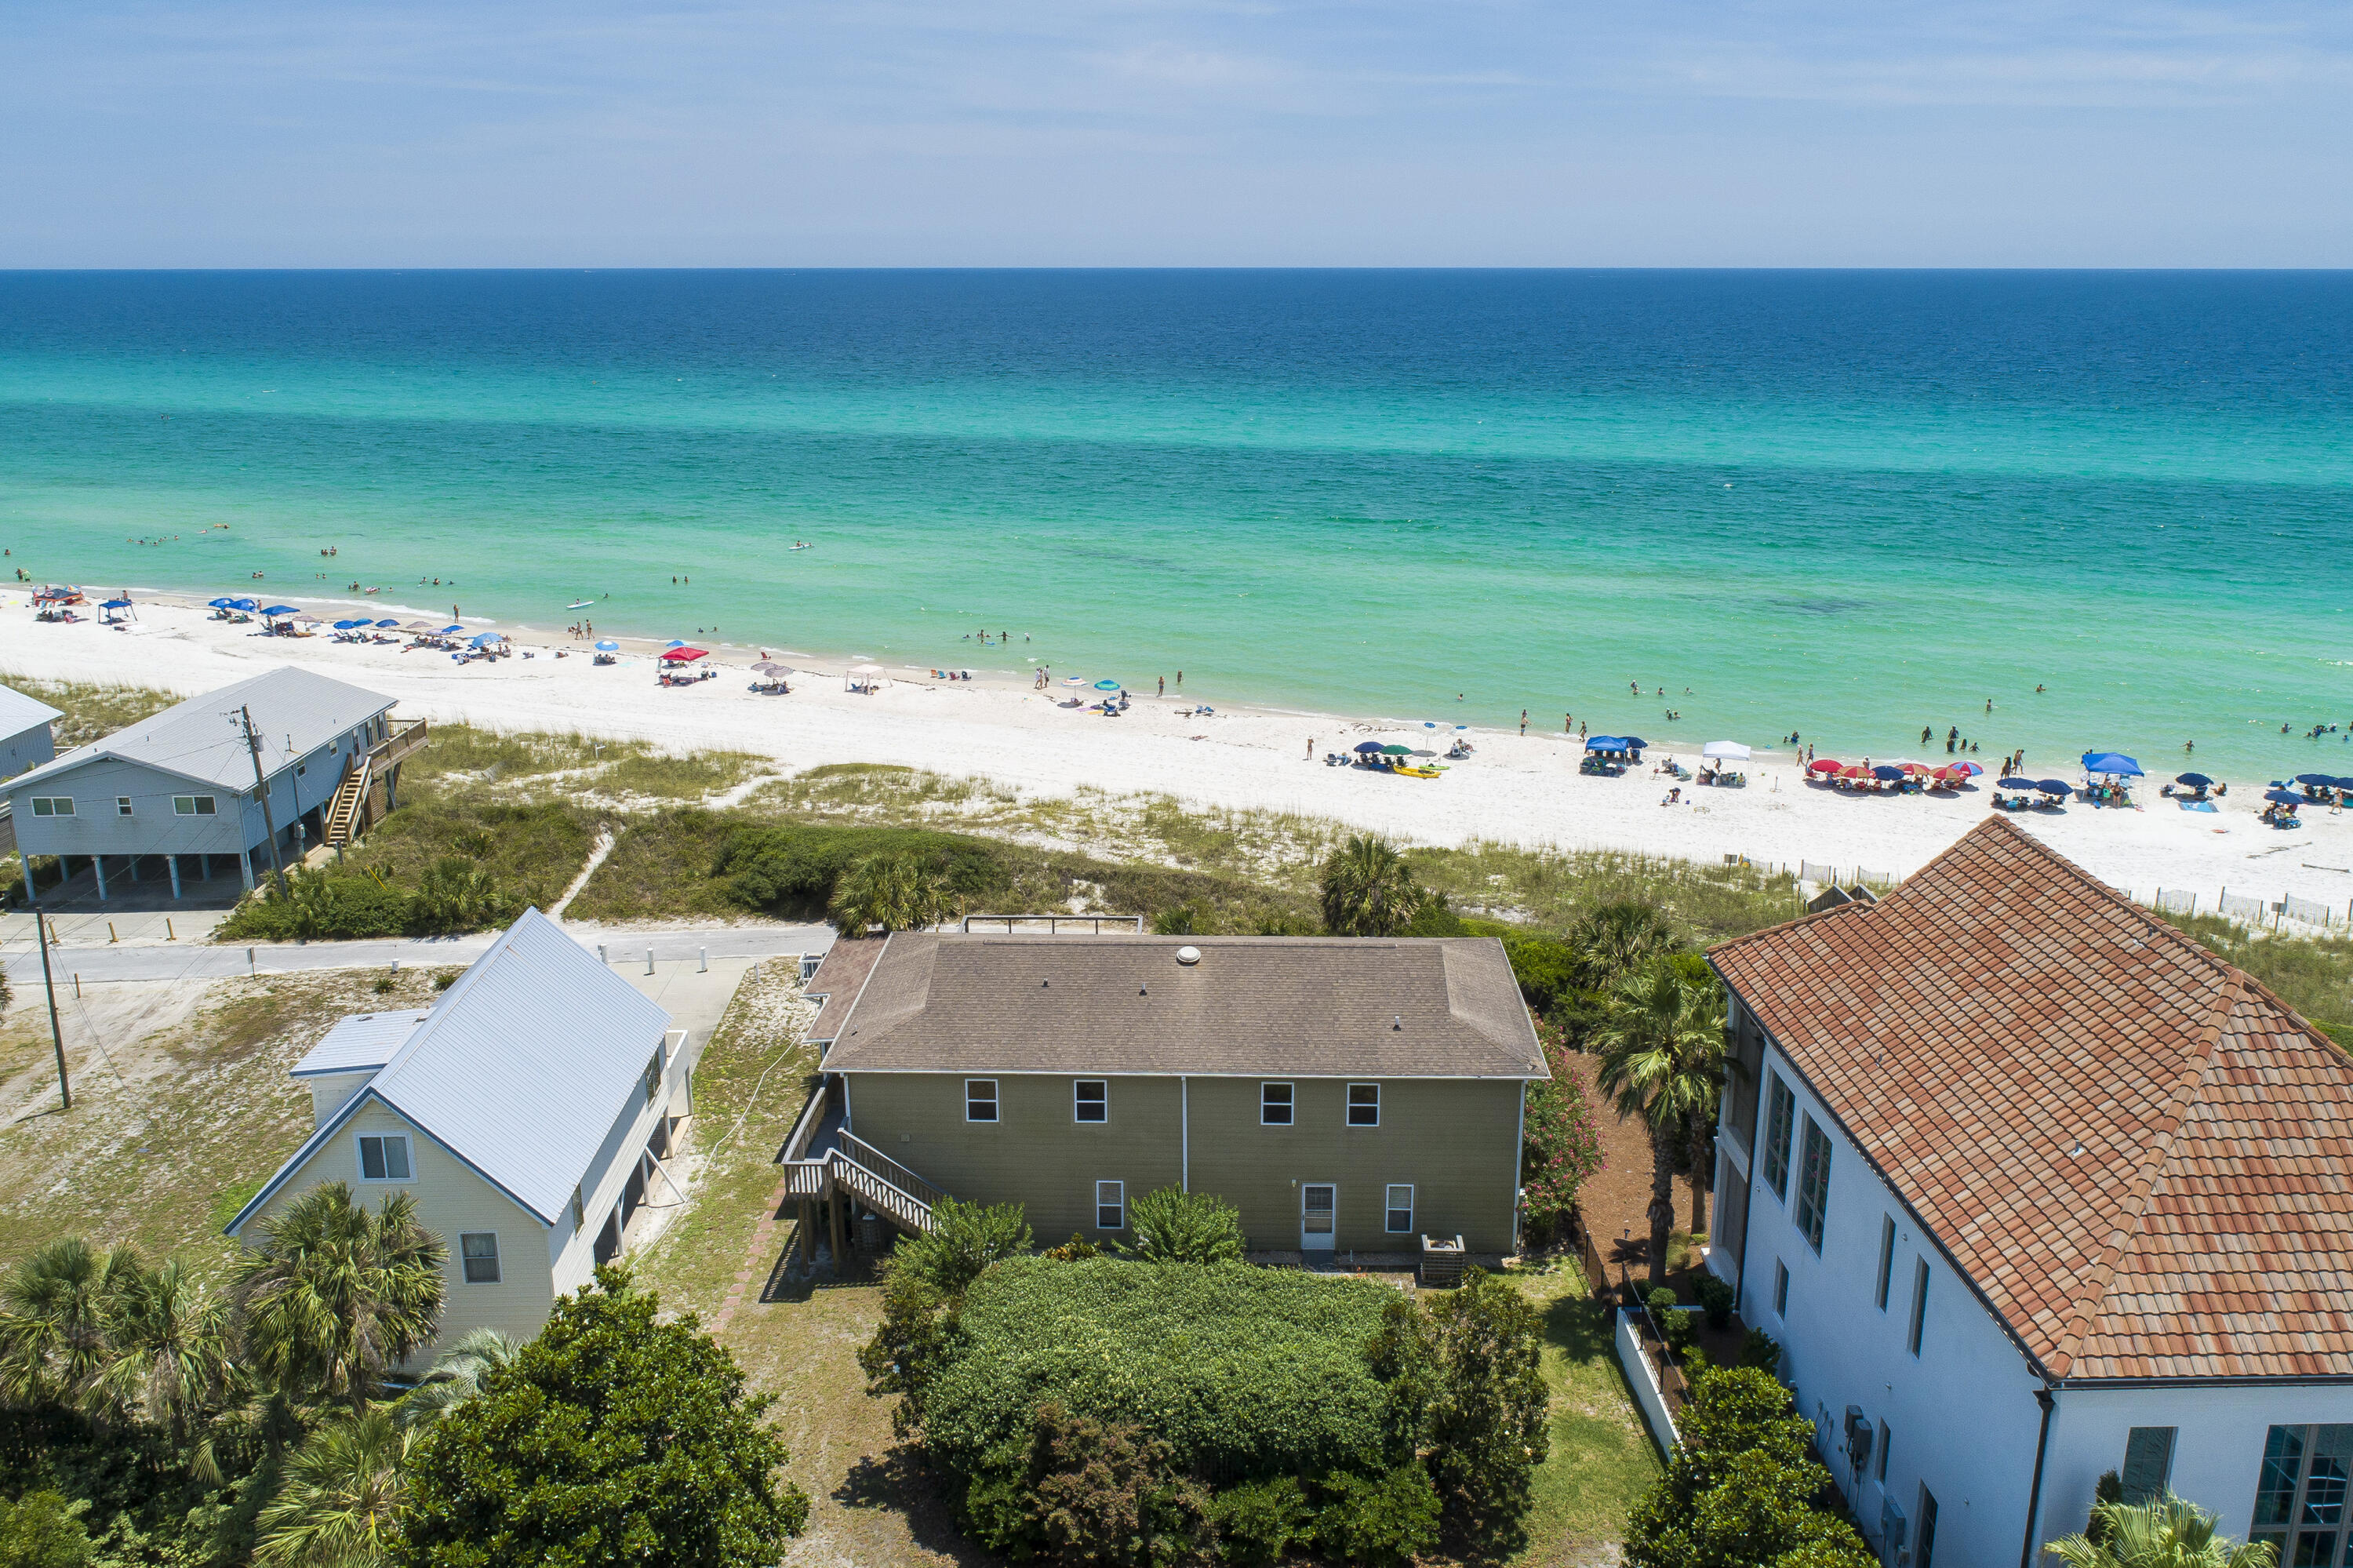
[
  {"x": 1421, "y": 754},
  {"x": 452, "y": 632},
  {"x": 1106, "y": 685},
  {"x": 282, "y": 609},
  {"x": 675, "y": 642},
  {"x": 685, "y": 655},
  {"x": 2055, "y": 787},
  {"x": 382, "y": 625},
  {"x": 1732, "y": 750},
  {"x": 2284, "y": 798},
  {"x": 770, "y": 668},
  {"x": 2341, "y": 783},
  {"x": 1970, "y": 769},
  {"x": 1634, "y": 742},
  {"x": 2109, "y": 762},
  {"x": 2321, "y": 778},
  {"x": 2195, "y": 780},
  {"x": 2013, "y": 784},
  {"x": 1888, "y": 771},
  {"x": 1367, "y": 747},
  {"x": 608, "y": 646},
  {"x": 1823, "y": 764},
  {"x": 222, "y": 603},
  {"x": 1397, "y": 751},
  {"x": 485, "y": 639},
  {"x": 347, "y": 625}
]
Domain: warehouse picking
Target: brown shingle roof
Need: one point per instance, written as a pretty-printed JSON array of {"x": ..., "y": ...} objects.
[
  {"x": 841, "y": 975},
  {"x": 2002, "y": 1010},
  {"x": 1313, "y": 1006}
]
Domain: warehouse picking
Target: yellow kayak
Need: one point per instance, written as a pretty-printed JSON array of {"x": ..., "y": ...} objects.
[{"x": 1422, "y": 772}]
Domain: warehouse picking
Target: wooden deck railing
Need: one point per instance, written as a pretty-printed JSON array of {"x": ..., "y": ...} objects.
[
  {"x": 398, "y": 744},
  {"x": 860, "y": 1152}
]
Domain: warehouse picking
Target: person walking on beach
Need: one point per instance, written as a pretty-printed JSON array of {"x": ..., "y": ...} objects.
[
  {"x": 1164, "y": 691},
  {"x": 1310, "y": 748},
  {"x": 1524, "y": 721}
]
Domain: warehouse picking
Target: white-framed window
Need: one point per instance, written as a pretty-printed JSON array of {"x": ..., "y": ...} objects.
[
  {"x": 1886, "y": 1259},
  {"x": 1781, "y": 1107},
  {"x": 1364, "y": 1105},
  {"x": 1814, "y": 1185},
  {"x": 53, "y": 806},
  {"x": 1780, "y": 1289},
  {"x": 123, "y": 806},
  {"x": 194, "y": 805},
  {"x": 1919, "y": 1305},
  {"x": 1274, "y": 1104},
  {"x": 1110, "y": 1206},
  {"x": 1400, "y": 1208},
  {"x": 479, "y": 1249},
  {"x": 980, "y": 1099},
  {"x": 1091, "y": 1100},
  {"x": 654, "y": 1078},
  {"x": 384, "y": 1157}
]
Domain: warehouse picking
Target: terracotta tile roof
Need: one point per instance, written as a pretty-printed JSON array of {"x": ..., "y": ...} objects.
[
  {"x": 1304, "y": 1006},
  {"x": 2141, "y": 1158}
]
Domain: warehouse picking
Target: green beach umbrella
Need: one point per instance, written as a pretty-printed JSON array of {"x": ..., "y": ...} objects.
[{"x": 1397, "y": 751}]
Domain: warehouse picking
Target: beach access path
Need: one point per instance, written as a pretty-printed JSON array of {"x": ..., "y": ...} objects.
[{"x": 1521, "y": 790}]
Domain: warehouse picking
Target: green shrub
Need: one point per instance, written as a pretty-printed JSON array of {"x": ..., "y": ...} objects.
[
  {"x": 1760, "y": 1351},
  {"x": 1380, "y": 1522},
  {"x": 1715, "y": 1299},
  {"x": 1243, "y": 1373},
  {"x": 1103, "y": 1492},
  {"x": 318, "y": 905},
  {"x": 797, "y": 867},
  {"x": 1740, "y": 1485},
  {"x": 1172, "y": 1225},
  {"x": 1487, "y": 1426},
  {"x": 1078, "y": 1249},
  {"x": 1561, "y": 1147},
  {"x": 1258, "y": 1522},
  {"x": 1544, "y": 967},
  {"x": 42, "y": 1530},
  {"x": 964, "y": 1239},
  {"x": 1183, "y": 920}
]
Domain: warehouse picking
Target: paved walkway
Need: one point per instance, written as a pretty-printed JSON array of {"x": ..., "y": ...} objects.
[{"x": 156, "y": 959}]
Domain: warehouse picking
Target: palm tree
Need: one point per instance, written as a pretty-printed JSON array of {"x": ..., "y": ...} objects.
[
  {"x": 339, "y": 1504},
  {"x": 2165, "y": 1532},
  {"x": 334, "y": 1295},
  {"x": 458, "y": 1375},
  {"x": 892, "y": 891},
  {"x": 170, "y": 1340},
  {"x": 1610, "y": 938},
  {"x": 1662, "y": 1049},
  {"x": 1368, "y": 889},
  {"x": 53, "y": 1321}
]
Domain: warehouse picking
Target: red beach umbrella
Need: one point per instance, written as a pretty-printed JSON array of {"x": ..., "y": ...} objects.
[
  {"x": 1823, "y": 764},
  {"x": 686, "y": 656}
]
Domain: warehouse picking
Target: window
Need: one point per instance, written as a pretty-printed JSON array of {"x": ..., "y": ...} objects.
[
  {"x": 1780, "y": 1110},
  {"x": 1400, "y": 1208},
  {"x": 383, "y": 1158},
  {"x": 1814, "y": 1185},
  {"x": 480, "y": 1250},
  {"x": 654, "y": 1078},
  {"x": 579, "y": 1211},
  {"x": 123, "y": 806},
  {"x": 2148, "y": 1463},
  {"x": 1274, "y": 1104},
  {"x": 194, "y": 805},
  {"x": 2300, "y": 1494},
  {"x": 1886, "y": 1257},
  {"x": 1091, "y": 1100},
  {"x": 1364, "y": 1105},
  {"x": 1887, "y": 1441},
  {"x": 1780, "y": 1289},
  {"x": 980, "y": 1099},
  {"x": 1925, "y": 1556},
  {"x": 1110, "y": 1206},
  {"x": 1919, "y": 1304},
  {"x": 53, "y": 806}
]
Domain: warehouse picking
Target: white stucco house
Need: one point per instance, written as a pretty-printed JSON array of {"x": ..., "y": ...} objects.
[
  {"x": 2030, "y": 1188},
  {"x": 528, "y": 1111}
]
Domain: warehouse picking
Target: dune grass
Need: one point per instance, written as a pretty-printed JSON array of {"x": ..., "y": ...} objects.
[{"x": 92, "y": 709}]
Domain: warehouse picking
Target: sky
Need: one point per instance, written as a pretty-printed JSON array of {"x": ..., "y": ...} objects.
[{"x": 1175, "y": 133}]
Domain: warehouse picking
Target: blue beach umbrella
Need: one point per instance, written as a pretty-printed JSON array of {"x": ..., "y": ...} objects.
[
  {"x": 450, "y": 631},
  {"x": 486, "y": 638},
  {"x": 675, "y": 642},
  {"x": 245, "y": 604},
  {"x": 608, "y": 646},
  {"x": 282, "y": 609},
  {"x": 1635, "y": 743},
  {"x": 225, "y": 603},
  {"x": 2055, "y": 787},
  {"x": 1885, "y": 772},
  {"x": 2301, "y": 778},
  {"x": 1106, "y": 685},
  {"x": 2110, "y": 762},
  {"x": 2013, "y": 784},
  {"x": 1367, "y": 747},
  {"x": 2284, "y": 798},
  {"x": 381, "y": 625},
  {"x": 2341, "y": 783},
  {"x": 347, "y": 625},
  {"x": 2195, "y": 780}
]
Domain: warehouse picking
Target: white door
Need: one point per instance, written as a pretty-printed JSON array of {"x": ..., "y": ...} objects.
[{"x": 1316, "y": 1206}]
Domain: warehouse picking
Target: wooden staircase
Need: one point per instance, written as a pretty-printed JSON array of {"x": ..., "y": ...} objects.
[
  {"x": 365, "y": 792},
  {"x": 823, "y": 1162}
]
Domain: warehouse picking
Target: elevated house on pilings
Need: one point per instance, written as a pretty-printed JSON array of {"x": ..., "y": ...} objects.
[
  {"x": 178, "y": 788},
  {"x": 1351, "y": 1097}
]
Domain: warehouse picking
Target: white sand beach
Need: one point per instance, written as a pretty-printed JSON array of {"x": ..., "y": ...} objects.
[{"x": 1514, "y": 789}]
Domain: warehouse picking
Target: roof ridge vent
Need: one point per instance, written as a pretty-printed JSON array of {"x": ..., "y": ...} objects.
[{"x": 1188, "y": 954}]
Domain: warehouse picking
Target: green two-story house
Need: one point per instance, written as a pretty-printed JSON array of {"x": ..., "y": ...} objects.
[{"x": 1348, "y": 1096}]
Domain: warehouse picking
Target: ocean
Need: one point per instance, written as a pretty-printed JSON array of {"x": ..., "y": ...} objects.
[{"x": 1849, "y": 505}]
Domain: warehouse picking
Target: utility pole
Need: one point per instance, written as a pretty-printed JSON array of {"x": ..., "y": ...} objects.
[
  {"x": 261, "y": 793},
  {"x": 41, "y": 935}
]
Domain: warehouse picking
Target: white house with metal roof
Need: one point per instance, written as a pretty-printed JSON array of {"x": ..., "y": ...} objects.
[
  {"x": 528, "y": 1110},
  {"x": 25, "y": 740},
  {"x": 181, "y": 782}
]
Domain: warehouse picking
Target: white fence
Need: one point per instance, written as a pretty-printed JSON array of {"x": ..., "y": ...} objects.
[{"x": 2266, "y": 914}]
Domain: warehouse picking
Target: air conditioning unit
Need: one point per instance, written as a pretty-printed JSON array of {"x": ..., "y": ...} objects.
[
  {"x": 1894, "y": 1540},
  {"x": 1860, "y": 1434}
]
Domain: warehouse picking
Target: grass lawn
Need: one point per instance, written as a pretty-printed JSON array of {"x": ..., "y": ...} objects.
[
  {"x": 181, "y": 1106},
  {"x": 1602, "y": 1458}
]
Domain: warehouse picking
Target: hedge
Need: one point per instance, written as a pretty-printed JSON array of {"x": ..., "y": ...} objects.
[{"x": 1242, "y": 1371}]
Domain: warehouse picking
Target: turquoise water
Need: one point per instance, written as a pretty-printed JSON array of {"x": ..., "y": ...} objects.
[{"x": 1848, "y": 505}]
